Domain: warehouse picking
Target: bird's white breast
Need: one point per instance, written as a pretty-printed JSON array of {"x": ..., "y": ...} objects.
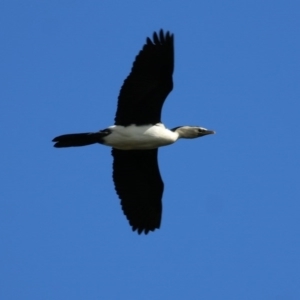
[{"x": 139, "y": 137}]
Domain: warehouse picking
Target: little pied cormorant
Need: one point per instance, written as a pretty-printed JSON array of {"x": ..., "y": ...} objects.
[{"x": 138, "y": 132}]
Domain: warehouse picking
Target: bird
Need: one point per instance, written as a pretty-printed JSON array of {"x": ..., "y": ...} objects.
[{"x": 138, "y": 132}]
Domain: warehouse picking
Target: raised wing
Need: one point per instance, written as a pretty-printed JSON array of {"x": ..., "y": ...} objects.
[
  {"x": 139, "y": 186},
  {"x": 150, "y": 81}
]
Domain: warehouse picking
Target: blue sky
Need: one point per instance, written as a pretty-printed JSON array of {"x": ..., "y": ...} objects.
[{"x": 230, "y": 227}]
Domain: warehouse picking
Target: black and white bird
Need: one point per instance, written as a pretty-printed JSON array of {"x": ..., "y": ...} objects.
[{"x": 138, "y": 133}]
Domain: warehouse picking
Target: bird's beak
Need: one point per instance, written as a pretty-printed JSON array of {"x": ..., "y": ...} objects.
[{"x": 209, "y": 132}]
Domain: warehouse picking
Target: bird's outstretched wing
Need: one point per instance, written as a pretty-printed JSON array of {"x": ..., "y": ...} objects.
[
  {"x": 150, "y": 81},
  {"x": 140, "y": 187}
]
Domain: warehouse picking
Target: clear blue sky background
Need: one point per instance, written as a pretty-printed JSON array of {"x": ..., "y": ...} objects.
[{"x": 230, "y": 226}]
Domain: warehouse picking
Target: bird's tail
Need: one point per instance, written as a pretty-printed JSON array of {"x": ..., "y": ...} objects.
[{"x": 78, "y": 139}]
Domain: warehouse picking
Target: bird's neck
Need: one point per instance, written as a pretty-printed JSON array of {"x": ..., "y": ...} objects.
[{"x": 183, "y": 132}]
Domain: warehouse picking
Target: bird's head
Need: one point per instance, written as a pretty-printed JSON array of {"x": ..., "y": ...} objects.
[{"x": 191, "y": 132}]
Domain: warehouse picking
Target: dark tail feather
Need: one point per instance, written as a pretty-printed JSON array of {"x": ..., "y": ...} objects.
[{"x": 78, "y": 139}]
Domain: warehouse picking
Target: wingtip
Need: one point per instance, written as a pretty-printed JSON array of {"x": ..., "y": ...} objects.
[
  {"x": 143, "y": 230},
  {"x": 160, "y": 36}
]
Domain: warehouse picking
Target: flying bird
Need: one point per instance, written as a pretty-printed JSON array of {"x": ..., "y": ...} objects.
[{"x": 138, "y": 133}]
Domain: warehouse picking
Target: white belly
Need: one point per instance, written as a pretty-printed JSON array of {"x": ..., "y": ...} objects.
[{"x": 140, "y": 137}]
